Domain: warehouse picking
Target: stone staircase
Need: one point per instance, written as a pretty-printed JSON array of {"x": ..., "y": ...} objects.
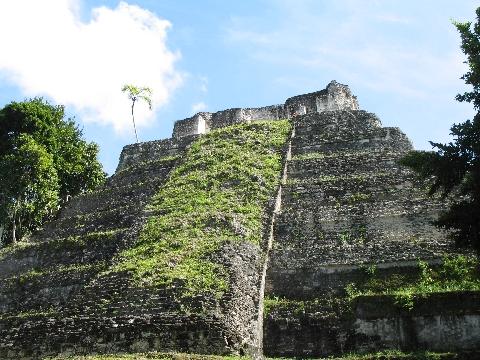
[
  {"x": 345, "y": 209},
  {"x": 43, "y": 276},
  {"x": 346, "y": 205}
]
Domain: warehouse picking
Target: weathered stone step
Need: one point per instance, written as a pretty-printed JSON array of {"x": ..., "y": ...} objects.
[
  {"x": 112, "y": 223},
  {"x": 112, "y": 197},
  {"x": 143, "y": 152},
  {"x": 89, "y": 248},
  {"x": 360, "y": 208},
  {"x": 307, "y": 329},
  {"x": 309, "y": 242},
  {"x": 117, "y": 293},
  {"x": 138, "y": 174},
  {"x": 146, "y": 166},
  {"x": 51, "y": 288},
  {"x": 49, "y": 335},
  {"x": 301, "y": 197},
  {"x": 336, "y": 251},
  {"x": 330, "y": 326},
  {"x": 310, "y": 224},
  {"x": 308, "y": 172},
  {"x": 335, "y": 121},
  {"x": 354, "y": 183},
  {"x": 342, "y": 165},
  {"x": 113, "y": 295},
  {"x": 99, "y": 221},
  {"x": 387, "y": 139},
  {"x": 347, "y": 155},
  {"x": 288, "y": 281}
]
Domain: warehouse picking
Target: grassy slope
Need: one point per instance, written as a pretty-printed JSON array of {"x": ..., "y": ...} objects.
[{"x": 216, "y": 195}]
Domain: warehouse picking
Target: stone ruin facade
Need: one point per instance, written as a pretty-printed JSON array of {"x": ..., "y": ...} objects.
[
  {"x": 334, "y": 97},
  {"x": 344, "y": 205}
]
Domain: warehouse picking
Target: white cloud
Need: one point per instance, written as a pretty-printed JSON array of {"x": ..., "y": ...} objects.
[
  {"x": 197, "y": 107},
  {"x": 48, "y": 50}
]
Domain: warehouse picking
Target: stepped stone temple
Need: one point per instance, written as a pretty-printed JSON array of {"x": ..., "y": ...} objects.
[{"x": 342, "y": 206}]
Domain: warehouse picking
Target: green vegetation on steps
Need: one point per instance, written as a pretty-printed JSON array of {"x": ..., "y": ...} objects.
[
  {"x": 216, "y": 195},
  {"x": 57, "y": 270},
  {"x": 457, "y": 273},
  {"x": 326, "y": 307},
  {"x": 143, "y": 164},
  {"x": 68, "y": 243}
]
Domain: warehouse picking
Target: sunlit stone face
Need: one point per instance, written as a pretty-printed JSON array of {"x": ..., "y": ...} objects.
[{"x": 201, "y": 128}]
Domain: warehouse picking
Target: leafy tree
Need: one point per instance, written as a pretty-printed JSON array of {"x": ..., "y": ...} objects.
[
  {"x": 76, "y": 161},
  {"x": 454, "y": 168},
  {"x": 137, "y": 93},
  {"x": 43, "y": 161},
  {"x": 29, "y": 181}
]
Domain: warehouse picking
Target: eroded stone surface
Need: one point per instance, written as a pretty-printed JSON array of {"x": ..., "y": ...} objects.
[
  {"x": 334, "y": 97},
  {"x": 346, "y": 205}
]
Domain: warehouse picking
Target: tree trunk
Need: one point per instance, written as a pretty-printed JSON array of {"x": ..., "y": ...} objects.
[
  {"x": 133, "y": 119},
  {"x": 14, "y": 225}
]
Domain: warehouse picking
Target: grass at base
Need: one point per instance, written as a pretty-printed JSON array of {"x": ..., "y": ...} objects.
[
  {"x": 399, "y": 355},
  {"x": 382, "y": 355},
  {"x": 149, "y": 356}
]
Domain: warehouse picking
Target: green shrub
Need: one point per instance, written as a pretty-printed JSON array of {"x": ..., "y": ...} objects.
[{"x": 457, "y": 273}]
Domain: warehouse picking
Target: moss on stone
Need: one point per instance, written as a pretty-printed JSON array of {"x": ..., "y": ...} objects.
[
  {"x": 143, "y": 164},
  {"x": 216, "y": 195},
  {"x": 41, "y": 313},
  {"x": 327, "y": 307},
  {"x": 457, "y": 273},
  {"x": 39, "y": 274},
  {"x": 59, "y": 244}
]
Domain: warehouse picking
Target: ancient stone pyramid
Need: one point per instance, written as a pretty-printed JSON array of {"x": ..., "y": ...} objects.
[{"x": 339, "y": 204}]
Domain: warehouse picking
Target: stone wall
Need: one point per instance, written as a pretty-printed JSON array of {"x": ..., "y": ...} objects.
[
  {"x": 317, "y": 281},
  {"x": 203, "y": 122},
  {"x": 62, "y": 294},
  {"x": 197, "y": 124},
  {"x": 334, "y": 97},
  {"x": 136, "y": 154},
  {"x": 43, "y": 307},
  {"x": 347, "y": 205},
  {"x": 440, "y": 322},
  {"x": 445, "y": 322}
]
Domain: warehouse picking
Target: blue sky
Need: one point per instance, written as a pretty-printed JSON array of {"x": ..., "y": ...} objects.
[{"x": 401, "y": 58}]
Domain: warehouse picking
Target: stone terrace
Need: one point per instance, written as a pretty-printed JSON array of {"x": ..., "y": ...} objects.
[
  {"x": 41, "y": 278},
  {"x": 346, "y": 205}
]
